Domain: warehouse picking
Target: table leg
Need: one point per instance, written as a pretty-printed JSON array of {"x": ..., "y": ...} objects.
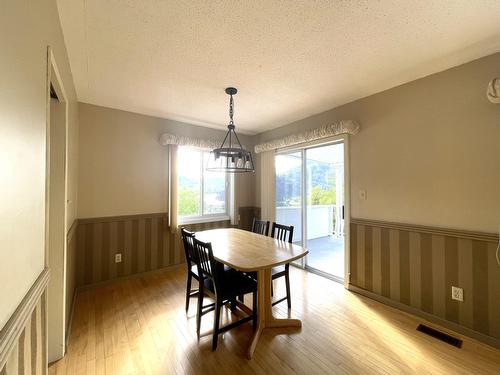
[{"x": 265, "y": 318}]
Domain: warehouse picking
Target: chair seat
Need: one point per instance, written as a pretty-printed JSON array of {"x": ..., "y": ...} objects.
[
  {"x": 194, "y": 270},
  {"x": 252, "y": 274},
  {"x": 233, "y": 283},
  {"x": 275, "y": 272}
]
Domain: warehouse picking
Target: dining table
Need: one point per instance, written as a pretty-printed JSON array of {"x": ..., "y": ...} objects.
[{"x": 251, "y": 252}]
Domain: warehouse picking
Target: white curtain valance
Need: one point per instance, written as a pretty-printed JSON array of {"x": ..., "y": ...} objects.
[
  {"x": 179, "y": 140},
  {"x": 330, "y": 130}
]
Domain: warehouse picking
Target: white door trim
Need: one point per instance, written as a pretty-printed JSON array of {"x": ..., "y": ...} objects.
[
  {"x": 344, "y": 138},
  {"x": 54, "y": 79}
]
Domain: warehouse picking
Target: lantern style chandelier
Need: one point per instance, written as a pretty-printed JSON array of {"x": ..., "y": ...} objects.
[{"x": 230, "y": 156}]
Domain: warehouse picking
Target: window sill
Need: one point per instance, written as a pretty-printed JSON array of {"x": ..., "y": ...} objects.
[{"x": 205, "y": 219}]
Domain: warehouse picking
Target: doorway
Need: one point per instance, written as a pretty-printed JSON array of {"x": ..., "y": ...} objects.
[
  {"x": 311, "y": 196},
  {"x": 56, "y": 212}
]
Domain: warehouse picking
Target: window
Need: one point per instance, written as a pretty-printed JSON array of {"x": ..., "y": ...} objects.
[{"x": 200, "y": 194}]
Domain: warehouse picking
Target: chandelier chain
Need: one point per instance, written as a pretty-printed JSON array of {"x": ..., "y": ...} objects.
[
  {"x": 229, "y": 157},
  {"x": 231, "y": 110}
]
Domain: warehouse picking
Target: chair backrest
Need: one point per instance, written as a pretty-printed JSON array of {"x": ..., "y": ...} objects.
[
  {"x": 207, "y": 265},
  {"x": 282, "y": 232},
  {"x": 260, "y": 227},
  {"x": 188, "y": 242}
]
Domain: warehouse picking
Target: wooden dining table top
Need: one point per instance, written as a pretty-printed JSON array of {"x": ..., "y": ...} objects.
[{"x": 247, "y": 251}]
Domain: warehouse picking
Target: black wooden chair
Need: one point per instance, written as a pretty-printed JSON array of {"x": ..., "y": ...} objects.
[
  {"x": 283, "y": 233},
  {"x": 192, "y": 272},
  {"x": 192, "y": 269},
  {"x": 260, "y": 227},
  {"x": 223, "y": 287}
]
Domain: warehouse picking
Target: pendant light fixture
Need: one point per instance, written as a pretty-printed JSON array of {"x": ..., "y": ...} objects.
[{"x": 230, "y": 156}]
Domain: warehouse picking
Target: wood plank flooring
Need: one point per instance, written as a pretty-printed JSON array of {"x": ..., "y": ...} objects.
[{"x": 139, "y": 326}]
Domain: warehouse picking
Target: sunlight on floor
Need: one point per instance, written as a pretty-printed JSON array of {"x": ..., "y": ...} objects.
[{"x": 140, "y": 326}]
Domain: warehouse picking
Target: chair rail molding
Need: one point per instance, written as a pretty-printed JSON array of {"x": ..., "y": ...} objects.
[
  {"x": 459, "y": 233},
  {"x": 14, "y": 326}
]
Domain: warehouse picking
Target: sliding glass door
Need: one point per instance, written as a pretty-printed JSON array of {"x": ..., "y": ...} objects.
[
  {"x": 289, "y": 192},
  {"x": 310, "y": 196},
  {"x": 324, "y": 204}
]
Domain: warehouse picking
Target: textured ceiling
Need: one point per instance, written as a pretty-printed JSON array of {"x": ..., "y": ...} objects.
[{"x": 289, "y": 59}]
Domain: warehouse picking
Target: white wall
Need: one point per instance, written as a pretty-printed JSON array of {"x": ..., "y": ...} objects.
[
  {"x": 124, "y": 169},
  {"x": 428, "y": 152},
  {"x": 26, "y": 29}
]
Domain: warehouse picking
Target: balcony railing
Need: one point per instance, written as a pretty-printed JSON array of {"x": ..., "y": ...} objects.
[{"x": 322, "y": 220}]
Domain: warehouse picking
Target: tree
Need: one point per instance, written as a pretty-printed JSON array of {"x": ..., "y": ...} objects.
[
  {"x": 319, "y": 196},
  {"x": 320, "y": 176},
  {"x": 188, "y": 201}
]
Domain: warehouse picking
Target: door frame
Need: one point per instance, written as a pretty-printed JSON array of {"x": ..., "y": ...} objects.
[
  {"x": 54, "y": 79},
  {"x": 343, "y": 138}
]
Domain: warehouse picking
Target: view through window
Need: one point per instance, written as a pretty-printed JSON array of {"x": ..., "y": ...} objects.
[
  {"x": 201, "y": 193},
  {"x": 310, "y": 196}
]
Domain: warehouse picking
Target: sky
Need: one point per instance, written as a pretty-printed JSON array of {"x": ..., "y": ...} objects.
[{"x": 328, "y": 154}]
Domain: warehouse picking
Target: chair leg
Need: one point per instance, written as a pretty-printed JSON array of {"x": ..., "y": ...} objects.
[
  {"x": 233, "y": 305},
  {"x": 272, "y": 289},
  {"x": 200, "y": 309},
  {"x": 218, "y": 306},
  {"x": 188, "y": 291},
  {"x": 287, "y": 282},
  {"x": 254, "y": 307}
]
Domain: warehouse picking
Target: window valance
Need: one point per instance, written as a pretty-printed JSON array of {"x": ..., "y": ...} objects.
[
  {"x": 330, "y": 130},
  {"x": 180, "y": 140}
]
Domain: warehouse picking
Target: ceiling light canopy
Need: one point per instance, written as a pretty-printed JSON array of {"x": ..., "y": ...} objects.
[{"x": 231, "y": 156}]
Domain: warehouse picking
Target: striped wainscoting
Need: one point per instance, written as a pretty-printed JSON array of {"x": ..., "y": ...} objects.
[
  {"x": 417, "y": 266},
  {"x": 71, "y": 248},
  {"x": 23, "y": 348},
  {"x": 145, "y": 242}
]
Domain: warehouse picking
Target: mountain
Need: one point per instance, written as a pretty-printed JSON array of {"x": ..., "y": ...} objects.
[{"x": 287, "y": 184}]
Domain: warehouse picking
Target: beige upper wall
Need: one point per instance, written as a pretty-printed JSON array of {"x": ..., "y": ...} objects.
[
  {"x": 26, "y": 29},
  {"x": 428, "y": 152},
  {"x": 124, "y": 169}
]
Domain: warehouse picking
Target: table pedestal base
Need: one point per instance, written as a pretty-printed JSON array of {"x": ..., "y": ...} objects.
[{"x": 265, "y": 317}]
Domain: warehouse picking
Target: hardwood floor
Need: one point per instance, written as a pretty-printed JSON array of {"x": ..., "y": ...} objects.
[{"x": 139, "y": 326}]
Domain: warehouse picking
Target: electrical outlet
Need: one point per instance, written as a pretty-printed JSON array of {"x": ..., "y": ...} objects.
[
  {"x": 457, "y": 293},
  {"x": 118, "y": 258}
]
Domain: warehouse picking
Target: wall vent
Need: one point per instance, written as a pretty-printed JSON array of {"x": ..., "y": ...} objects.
[{"x": 440, "y": 335}]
